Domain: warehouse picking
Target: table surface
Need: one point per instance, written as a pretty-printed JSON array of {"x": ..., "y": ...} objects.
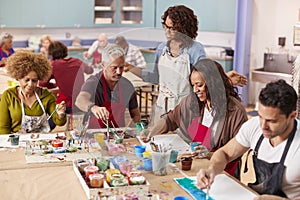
[{"x": 58, "y": 180}]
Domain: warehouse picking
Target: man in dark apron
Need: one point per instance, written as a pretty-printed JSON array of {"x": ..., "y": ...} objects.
[
  {"x": 107, "y": 94},
  {"x": 273, "y": 137}
]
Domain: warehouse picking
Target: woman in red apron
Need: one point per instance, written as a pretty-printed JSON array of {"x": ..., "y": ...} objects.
[{"x": 212, "y": 114}]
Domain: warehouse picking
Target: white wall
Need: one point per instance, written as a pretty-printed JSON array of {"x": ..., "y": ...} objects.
[{"x": 271, "y": 19}]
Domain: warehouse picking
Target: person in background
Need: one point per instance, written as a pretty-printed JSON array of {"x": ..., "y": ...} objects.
[
  {"x": 107, "y": 94},
  {"x": 273, "y": 137},
  {"x": 44, "y": 45},
  {"x": 68, "y": 86},
  {"x": 212, "y": 114},
  {"x": 95, "y": 51},
  {"x": 176, "y": 57},
  {"x": 6, "y": 48},
  {"x": 134, "y": 58},
  {"x": 24, "y": 108}
]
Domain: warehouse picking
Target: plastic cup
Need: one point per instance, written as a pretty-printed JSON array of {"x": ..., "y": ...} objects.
[
  {"x": 74, "y": 122},
  {"x": 147, "y": 154},
  {"x": 148, "y": 164},
  {"x": 96, "y": 180},
  {"x": 90, "y": 170},
  {"x": 14, "y": 139},
  {"x": 173, "y": 156},
  {"x": 186, "y": 163},
  {"x": 139, "y": 150},
  {"x": 160, "y": 161}
]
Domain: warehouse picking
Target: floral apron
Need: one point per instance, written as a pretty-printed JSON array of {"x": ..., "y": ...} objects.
[
  {"x": 34, "y": 124},
  {"x": 173, "y": 81}
]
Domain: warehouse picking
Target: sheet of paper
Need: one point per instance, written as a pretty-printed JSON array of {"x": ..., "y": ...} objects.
[
  {"x": 169, "y": 140},
  {"x": 224, "y": 188}
]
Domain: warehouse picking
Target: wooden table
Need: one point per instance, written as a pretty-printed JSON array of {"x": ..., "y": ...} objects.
[{"x": 58, "y": 180}]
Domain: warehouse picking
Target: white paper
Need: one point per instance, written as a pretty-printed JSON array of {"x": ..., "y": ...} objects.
[
  {"x": 169, "y": 140},
  {"x": 226, "y": 188}
]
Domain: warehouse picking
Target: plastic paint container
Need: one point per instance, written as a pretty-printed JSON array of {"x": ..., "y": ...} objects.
[{"x": 90, "y": 170}]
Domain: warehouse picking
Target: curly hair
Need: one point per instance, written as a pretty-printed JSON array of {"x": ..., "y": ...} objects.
[
  {"x": 279, "y": 95},
  {"x": 184, "y": 20},
  {"x": 57, "y": 50},
  {"x": 24, "y": 61},
  {"x": 218, "y": 86}
]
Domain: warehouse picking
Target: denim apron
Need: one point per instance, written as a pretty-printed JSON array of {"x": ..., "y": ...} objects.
[
  {"x": 174, "y": 82},
  {"x": 116, "y": 110},
  {"x": 269, "y": 175},
  {"x": 34, "y": 124}
]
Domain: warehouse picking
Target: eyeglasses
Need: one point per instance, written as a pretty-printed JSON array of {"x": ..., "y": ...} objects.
[{"x": 166, "y": 27}]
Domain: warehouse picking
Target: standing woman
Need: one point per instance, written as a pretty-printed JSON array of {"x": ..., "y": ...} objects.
[
  {"x": 24, "y": 108},
  {"x": 212, "y": 114},
  {"x": 6, "y": 48},
  {"x": 177, "y": 56}
]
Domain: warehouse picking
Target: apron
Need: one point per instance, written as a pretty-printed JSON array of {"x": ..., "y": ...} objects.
[
  {"x": 34, "y": 124},
  {"x": 202, "y": 133},
  {"x": 173, "y": 81},
  {"x": 116, "y": 110},
  {"x": 269, "y": 175},
  {"x": 97, "y": 57}
]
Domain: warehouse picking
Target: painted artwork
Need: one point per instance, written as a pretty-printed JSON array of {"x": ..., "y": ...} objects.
[{"x": 189, "y": 185}]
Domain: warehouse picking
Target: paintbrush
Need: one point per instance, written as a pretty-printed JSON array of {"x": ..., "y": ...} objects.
[{"x": 123, "y": 132}]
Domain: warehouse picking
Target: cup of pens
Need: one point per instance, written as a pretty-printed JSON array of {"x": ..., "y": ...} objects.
[{"x": 160, "y": 161}]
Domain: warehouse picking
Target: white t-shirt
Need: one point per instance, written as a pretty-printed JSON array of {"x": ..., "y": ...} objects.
[{"x": 248, "y": 136}]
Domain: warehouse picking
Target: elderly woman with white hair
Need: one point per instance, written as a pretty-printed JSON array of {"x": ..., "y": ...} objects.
[
  {"x": 107, "y": 94},
  {"x": 6, "y": 48}
]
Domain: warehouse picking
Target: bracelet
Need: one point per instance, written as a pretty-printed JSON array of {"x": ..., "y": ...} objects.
[{"x": 90, "y": 107}]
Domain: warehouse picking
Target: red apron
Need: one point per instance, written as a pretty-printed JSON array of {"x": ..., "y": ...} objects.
[
  {"x": 97, "y": 57},
  {"x": 201, "y": 133},
  {"x": 116, "y": 110}
]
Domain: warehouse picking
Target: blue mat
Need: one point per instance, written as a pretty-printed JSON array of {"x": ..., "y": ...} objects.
[{"x": 189, "y": 185}]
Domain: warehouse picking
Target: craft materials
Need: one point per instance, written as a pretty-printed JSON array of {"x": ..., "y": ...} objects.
[
  {"x": 124, "y": 130},
  {"x": 14, "y": 139},
  {"x": 96, "y": 180},
  {"x": 90, "y": 170}
]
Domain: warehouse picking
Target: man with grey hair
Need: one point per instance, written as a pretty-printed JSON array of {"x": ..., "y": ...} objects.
[
  {"x": 95, "y": 51},
  {"x": 107, "y": 94},
  {"x": 6, "y": 48}
]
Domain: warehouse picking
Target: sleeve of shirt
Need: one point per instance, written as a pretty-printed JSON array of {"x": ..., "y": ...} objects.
[
  {"x": 5, "y": 124},
  {"x": 93, "y": 48},
  {"x": 246, "y": 134},
  {"x": 86, "y": 68},
  {"x": 90, "y": 85},
  {"x": 196, "y": 52}
]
